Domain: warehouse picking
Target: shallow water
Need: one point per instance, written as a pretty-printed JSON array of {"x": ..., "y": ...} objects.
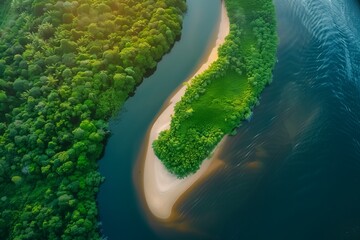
[
  {"x": 120, "y": 208},
  {"x": 292, "y": 172}
]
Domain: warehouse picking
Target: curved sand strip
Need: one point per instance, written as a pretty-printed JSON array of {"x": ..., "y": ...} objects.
[{"x": 161, "y": 188}]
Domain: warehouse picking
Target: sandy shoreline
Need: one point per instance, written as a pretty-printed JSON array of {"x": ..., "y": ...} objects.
[{"x": 162, "y": 189}]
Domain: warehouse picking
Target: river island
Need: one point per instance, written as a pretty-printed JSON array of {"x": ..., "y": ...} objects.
[
  {"x": 212, "y": 104},
  {"x": 161, "y": 188}
]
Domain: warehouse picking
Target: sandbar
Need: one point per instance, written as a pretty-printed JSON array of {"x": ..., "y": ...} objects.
[{"x": 161, "y": 188}]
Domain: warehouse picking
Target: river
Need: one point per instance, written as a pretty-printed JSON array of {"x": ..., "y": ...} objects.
[
  {"x": 120, "y": 209},
  {"x": 292, "y": 172}
]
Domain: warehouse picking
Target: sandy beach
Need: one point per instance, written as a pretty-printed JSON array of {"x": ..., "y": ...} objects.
[{"x": 161, "y": 188}]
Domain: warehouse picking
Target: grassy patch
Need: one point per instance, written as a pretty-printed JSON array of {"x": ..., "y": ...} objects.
[
  {"x": 215, "y": 108},
  {"x": 219, "y": 99}
]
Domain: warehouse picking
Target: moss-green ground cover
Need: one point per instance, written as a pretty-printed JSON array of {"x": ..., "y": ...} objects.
[
  {"x": 216, "y": 106},
  {"x": 219, "y": 99}
]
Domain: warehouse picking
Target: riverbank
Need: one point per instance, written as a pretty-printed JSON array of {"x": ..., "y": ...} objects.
[{"x": 162, "y": 189}]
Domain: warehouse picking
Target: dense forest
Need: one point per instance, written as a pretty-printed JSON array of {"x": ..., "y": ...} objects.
[
  {"x": 65, "y": 68},
  {"x": 217, "y": 101}
]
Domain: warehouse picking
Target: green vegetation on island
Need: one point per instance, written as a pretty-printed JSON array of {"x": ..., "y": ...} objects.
[
  {"x": 217, "y": 101},
  {"x": 65, "y": 68}
]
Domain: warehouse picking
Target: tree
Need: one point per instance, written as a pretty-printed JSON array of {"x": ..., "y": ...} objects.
[
  {"x": 119, "y": 80},
  {"x": 16, "y": 179},
  {"x": 46, "y": 30},
  {"x": 3, "y": 96},
  {"x": 20, "y": 85},
  {"x": 67, "y": 46},
  {"x": 60, "y": 70},
  {"x": 64, "y": 199}
]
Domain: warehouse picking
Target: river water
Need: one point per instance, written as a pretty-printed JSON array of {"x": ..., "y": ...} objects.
[
  {"x": 120, "y": 209},
  {"x": 293, "y": 171}
]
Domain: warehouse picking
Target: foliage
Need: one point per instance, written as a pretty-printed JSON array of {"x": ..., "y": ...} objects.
[
  {"x": 4, "y": 8},
  {"x": 218, "y": 100},
  {"x": 65, "y": 68}
]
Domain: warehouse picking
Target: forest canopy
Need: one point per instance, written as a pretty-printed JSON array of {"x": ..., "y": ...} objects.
[{"x": 65, "y": 68}]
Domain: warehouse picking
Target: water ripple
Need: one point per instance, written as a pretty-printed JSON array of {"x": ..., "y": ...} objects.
[{"x": 299, "y": 157}]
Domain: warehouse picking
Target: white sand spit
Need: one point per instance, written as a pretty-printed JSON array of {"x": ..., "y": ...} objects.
[{"x": 161, "y": 188}]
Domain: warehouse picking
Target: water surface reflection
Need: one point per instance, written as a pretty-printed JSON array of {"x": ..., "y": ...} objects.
[{"x": 293, "y": 172}]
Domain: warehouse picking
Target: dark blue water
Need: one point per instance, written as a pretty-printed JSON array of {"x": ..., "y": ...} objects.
[
  {"x": 293, "y": 171},
  {"x": 121, "y": 214}
]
